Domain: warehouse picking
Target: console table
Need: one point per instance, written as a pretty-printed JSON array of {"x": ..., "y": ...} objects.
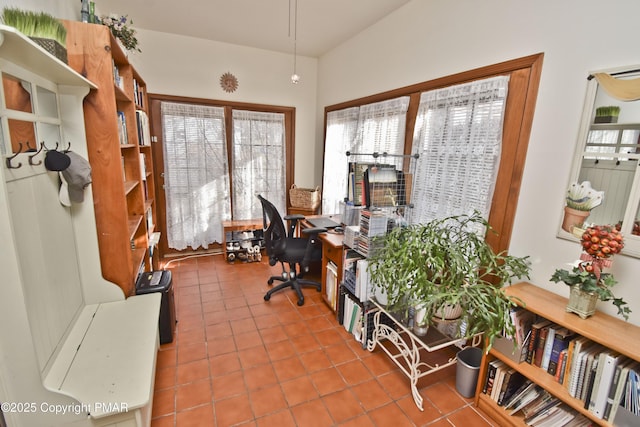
[{"x": 417, "y": 356}]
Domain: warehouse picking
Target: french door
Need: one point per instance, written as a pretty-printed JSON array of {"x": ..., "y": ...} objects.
[{"x": 212, "y": 160}]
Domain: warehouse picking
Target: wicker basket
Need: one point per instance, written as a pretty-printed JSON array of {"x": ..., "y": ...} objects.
[
  {"x": 308, "y": 198},
  {"x": 53, "y": 47}
]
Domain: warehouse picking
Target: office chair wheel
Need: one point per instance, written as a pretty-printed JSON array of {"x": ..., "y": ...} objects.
[
  {"x": 267, "y": 297},
  {"x": 270, "y": 281},
  {"x": 301, "y": 301}
]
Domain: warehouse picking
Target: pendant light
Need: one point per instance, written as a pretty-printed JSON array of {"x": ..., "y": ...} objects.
[{"x": 295, "y": 78}]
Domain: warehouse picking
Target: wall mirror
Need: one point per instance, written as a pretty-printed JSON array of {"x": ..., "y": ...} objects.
[{"x": 608, "y": 153}]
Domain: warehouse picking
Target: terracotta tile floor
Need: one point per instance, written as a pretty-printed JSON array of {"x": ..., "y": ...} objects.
[{"x": 237, "y": 360}]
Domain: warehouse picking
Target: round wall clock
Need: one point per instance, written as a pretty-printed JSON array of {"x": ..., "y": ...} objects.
[{"x": 228, "y": 82}]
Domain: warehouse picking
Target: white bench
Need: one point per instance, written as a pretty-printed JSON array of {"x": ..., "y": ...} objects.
[{"x": 107, "y": 362}]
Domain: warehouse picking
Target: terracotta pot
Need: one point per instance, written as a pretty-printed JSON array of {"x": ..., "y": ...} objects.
[
  {"x": 582, "y": 303},
  {"x": 573, "y": 217}
]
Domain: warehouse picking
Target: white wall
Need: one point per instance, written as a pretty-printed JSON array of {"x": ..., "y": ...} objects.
[
  {"x": 186, "y": 66},
  {"x": 430, "y": 39}
]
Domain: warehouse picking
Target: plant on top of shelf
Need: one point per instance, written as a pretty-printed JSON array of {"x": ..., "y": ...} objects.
[
  {"x": 446, "y": 262},
  {"x": 121, "y": 30},
  {"x": 599, "y": 244},
  {"x": 35, "y": 24}
]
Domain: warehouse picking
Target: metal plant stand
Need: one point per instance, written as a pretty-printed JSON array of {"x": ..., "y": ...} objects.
[{"x": 404, "y": 348}]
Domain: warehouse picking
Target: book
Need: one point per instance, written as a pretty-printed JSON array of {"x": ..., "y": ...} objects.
[
  {"x": 574, "y": 363},
  {"x": 524, "y": 388},
  {"x": 541, "y": 403},
  {"x": 548, "y": 346},
  {"x": 624, "y": 394},
  {"x": 557, "y": 416},
  {"x": 560, "y": 342},
  {"x": 522, "y": 321},
  {"x": 578, "y": 374},
  {"x": 590, "y": 379},
  {"x": 526, "y": 398},
  {"x": 620, "y": 377},
  {"x": 540, "y": 344},
  {"x": 583, "y": 381},
  {"x": 607, "y": 364},
  {"x": 515, "y": 381},
  {"x": 533, "y": 341},
  {"x": 504, "y": 382},
  {"x": 562, "y": 365},
  {"x": 497, "y": 384},
  {"x": 491, "y": 374}
]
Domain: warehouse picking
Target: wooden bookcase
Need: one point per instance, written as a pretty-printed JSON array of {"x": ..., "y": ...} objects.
[
  {"x": 121, "y": 161},
  {"x": 609, "y": 331}
]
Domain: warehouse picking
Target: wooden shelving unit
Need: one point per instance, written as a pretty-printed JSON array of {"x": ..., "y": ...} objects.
[
  {"x": 606, "y": 330},
  {"x": 123, "y": 191}
]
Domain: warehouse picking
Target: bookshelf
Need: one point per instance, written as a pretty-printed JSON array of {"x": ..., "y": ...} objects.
[
  {"x": 610, "y": 332},
  {"x": 119, "y": 149}
]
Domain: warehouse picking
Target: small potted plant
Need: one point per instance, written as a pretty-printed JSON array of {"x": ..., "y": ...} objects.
[
  {"x": 121, "y": 30},
  {"x": 589, "y": 284},
  {"x": 445, "y": 263},
  {"x": 607, "y": 114},
  {"x": 580, "y": 200}
]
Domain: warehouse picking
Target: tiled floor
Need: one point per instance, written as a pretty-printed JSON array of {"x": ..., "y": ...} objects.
[{"x": 237, "y": 360}]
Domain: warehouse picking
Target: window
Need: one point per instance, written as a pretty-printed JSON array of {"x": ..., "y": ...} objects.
[
  {"x": 459, "y": 138},
  {"x": 371, "y": 128},
  {"x": 519, "y": 106}
]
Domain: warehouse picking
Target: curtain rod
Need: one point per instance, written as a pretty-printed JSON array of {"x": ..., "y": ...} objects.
[{"x": 591, "y": 76}]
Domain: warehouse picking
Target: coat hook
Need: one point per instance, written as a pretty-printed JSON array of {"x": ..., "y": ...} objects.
[
  {"x": 9, "y": 165},
  {"x": 31, "y": 162},
  {"x": 68, "y": 147},
  {"x": 49, "y": 149}
]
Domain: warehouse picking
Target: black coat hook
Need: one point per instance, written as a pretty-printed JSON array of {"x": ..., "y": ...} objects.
[
  {"x": 31, "y": 162},
  {"x": 11, "y": 166}
]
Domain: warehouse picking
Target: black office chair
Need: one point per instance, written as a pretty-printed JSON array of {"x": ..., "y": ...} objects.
[{"x": 282, "y": 246}]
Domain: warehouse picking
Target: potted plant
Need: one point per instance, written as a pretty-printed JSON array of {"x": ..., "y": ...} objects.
[
  {"x": 447, "y": 262},
  {"x": 580, "y": 200},
  {"x": 587, "y": 281},
  {"x": 121, "y": 30},
  {"x": 44, "y": 29},
  {"x": 607, "y": 114}
]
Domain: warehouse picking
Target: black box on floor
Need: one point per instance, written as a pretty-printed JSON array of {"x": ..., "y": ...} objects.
[{"x": 160, "y": 281}]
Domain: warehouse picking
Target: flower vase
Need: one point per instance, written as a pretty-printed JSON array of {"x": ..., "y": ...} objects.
[
  {"x": 582, "y": 303},
  {"x": 573, "y": 218}
]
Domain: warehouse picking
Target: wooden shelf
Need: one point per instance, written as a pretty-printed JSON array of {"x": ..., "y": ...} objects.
[
  {"x": 130, "y": 185},
  {"x": 611, "y": 332},
  {"x": 601, "y": 328},
  {"x": 118, "y": 189}
]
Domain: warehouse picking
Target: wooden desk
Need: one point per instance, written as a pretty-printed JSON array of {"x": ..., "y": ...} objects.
[{"x": 332, "y": 250}]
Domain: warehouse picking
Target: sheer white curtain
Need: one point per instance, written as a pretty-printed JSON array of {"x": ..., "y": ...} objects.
[
  {"x": 258, "y": 162},
  {"x": 196, "y": 174},
  {"x": 340, "y": 135},
  {"x": 458, "y": 136},
  {"x": 380, "y": 128}
]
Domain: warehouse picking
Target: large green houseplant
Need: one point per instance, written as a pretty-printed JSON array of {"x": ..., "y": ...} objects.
[{"x": 446, "y": 262}]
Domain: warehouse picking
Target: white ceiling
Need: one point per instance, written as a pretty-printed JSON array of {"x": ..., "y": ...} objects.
[{"x": 264, "y": 24}]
